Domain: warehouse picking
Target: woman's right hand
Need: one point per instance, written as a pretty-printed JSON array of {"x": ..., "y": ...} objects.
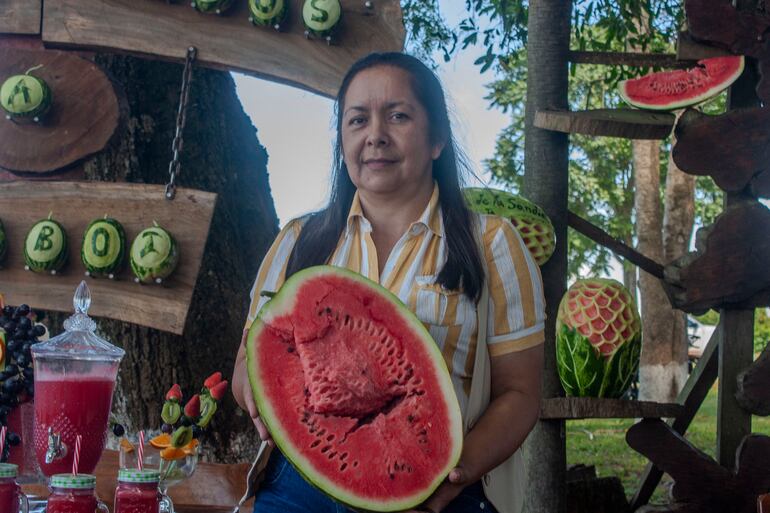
[
  {"x": 254, "y": 414},
  {"x": 243, "y": 395}
]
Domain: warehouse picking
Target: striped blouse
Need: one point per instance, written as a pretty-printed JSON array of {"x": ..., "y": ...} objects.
[{"x": 516, "y": 303}]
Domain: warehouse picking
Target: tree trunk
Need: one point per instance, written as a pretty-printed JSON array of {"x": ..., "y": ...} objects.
[
  {"x": 220, "y": 154},
  {"x": 546, "y": 183}
]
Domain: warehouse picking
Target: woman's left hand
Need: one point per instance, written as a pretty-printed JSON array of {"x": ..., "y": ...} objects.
[{"x": 455, "y": 482}]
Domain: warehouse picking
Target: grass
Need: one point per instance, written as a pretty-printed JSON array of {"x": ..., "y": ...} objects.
[{"x": 601, "y": 442}]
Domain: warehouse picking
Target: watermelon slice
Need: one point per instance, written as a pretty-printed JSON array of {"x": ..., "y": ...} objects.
[
  {"x": 354, "y": 391},
  {"x": 669, "y": 90}
]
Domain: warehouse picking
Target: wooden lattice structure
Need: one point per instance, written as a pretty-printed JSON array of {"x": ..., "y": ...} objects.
[{"x": 728, "y": 272}]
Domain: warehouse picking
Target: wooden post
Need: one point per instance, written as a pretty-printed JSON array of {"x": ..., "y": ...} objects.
[
  {"x": 545, "y": 183},
  {"x": 737, "y": 341}
]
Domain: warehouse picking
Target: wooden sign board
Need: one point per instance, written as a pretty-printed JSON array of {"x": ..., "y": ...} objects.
[
  {"x": 165, "y": 30},
  {"x": 136, "y": 206},
  {"x": 20, "y": 16},
  {"x": 84, "y": 116}
]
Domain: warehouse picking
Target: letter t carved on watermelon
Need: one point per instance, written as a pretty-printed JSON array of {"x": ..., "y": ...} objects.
[{"x": 354, "y": 391}]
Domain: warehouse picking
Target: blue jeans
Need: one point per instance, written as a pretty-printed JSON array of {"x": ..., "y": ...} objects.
[{"x": 285, "y": 491}]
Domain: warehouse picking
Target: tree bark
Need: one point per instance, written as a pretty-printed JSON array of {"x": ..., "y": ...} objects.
[
  {"x": 220, "y": 154},
  {"x": 546, "y": 183}
]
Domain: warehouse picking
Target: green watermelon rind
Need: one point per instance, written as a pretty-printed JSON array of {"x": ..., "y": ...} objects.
[
  {"x": 584, "y": 372},
  {"x": 283, "y": 302},
  {"x": 163, "y": 270},
  {"x": 324, "y": 32},
  {"x": 693, "y": 100},
  {"x": 272, "y": 21},
  {"x": 40, "y": 110},
  {"x": 211, "y": 6},
  {"x": 112, "y": 267},
  {"x": 52, "y": 265}
]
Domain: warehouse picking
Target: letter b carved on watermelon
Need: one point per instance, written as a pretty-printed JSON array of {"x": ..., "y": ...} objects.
[
  {"x": 598, "y": 339},
  {"x": 354, "y": 391}
]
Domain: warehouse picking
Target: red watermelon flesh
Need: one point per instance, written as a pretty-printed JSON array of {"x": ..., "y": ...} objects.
[
  {"x": 354, "y": 391},
  {"x": 668, "y": 90}
]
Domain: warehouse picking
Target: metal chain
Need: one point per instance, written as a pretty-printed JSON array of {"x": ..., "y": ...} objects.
[{"x": 181, "y": 117}]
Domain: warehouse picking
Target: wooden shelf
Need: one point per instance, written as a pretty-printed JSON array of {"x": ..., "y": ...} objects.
[
  {"x": 596, "y": 408},
  {"x": 625, "y": 123},
  {"x": 635, "y": 59}
]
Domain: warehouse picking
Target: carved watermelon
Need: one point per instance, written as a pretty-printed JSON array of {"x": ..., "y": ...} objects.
[
  {"x": 103, "y": 248},
  {"x": 211, "y": 6},
  {"x": 154, "y": 255},
  {"x": 354, "y": 391},
  {"x": 669, "y": 90},
  {"x": 25, "y": 97},
  {"x": 321, "y": 17},
  {"x": 530, "y": 220},
  {"x": 45, "y": 248},
  {"x": 598, "y": 339},
  {"x": 269, "y": 13}
]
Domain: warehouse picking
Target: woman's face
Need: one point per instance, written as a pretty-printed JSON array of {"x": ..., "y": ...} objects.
[{"x": 385, "y": 134}]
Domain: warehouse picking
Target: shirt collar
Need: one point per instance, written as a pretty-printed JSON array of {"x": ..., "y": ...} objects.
[{"x": 431, "y": 217}]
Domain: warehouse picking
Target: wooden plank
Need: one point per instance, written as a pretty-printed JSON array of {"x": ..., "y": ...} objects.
[
  {"x": 730, "y": 267},
  {"x": 689, "y": 49},
  {"x": 735, "y": 354},
  {"x": 754, "y": 386},
  {"x": 626, "y": 123},
  {"x": 732, "y": 148},
  {"x": 85, "y": 114},
  {"x": 635, "y": 59},
  {"x": 599, "y": 408},
  {"x": 136, "y": 206},
  {"x": 722, "y": 24},
  {"x": 166, "y": 30},
  {"x": 692, "y": 395},
  {"x": 20, "y": 16},
  {"x": 617, "y": 246}
]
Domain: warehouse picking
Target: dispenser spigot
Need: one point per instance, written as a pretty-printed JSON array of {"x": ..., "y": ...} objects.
[{"x": 56, "y": 448}]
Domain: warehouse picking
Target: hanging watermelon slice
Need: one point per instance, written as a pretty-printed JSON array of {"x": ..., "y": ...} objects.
[
  {"x": 354, "y": 391},
  {"x": 669, "y": 90}
]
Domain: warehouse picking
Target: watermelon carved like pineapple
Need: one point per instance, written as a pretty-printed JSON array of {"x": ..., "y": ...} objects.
[{"x": 598, "y": 339}]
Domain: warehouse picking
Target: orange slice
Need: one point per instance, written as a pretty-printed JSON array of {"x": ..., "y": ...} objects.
[
  {"x": 172, "y": 453},
  {"x": 126, "y": 445},
  {"x": 190, "y": 448},
  {"x": 161, "y": 441}
]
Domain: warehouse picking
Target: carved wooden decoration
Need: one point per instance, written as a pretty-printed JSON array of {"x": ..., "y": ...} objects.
[
  {"x": 732, "y": 148},
  {"x": 627, "y": 123},
  {"x": 166, "y": 30},
  {"x": 730, "y": 266},
  {"x": 702, "y": 485},
  {"x": 136, "y": 206},
  {"x": 85, "y": 114},
  {"x": 20, "y": 16},
  {"x": 760, "y": 185},
  {"x": 754, "y": 385}
]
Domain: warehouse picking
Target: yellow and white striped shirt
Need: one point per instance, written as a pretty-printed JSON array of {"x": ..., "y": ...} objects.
[{"x": 516, "y": 303}]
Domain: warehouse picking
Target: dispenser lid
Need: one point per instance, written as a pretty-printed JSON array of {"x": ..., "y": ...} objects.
[{"x": 79, "y": 340}]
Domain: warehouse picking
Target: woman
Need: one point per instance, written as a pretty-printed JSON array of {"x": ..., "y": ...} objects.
[{"x": 397, "y": 216}]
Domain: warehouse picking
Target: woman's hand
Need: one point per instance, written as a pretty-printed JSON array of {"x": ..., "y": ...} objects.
[
  {"x": 452, "y": 486},
  {"x": 243, "y": 395}
]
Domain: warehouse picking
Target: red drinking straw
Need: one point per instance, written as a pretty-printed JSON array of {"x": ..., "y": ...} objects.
[
  {"x": 2, "y": 441},
  {"x": 140, "y": 454},
  {"x": 76, "y": 456}
]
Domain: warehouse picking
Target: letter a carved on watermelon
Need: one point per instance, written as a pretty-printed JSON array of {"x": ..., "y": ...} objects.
[{"x": 354, "y": 391}]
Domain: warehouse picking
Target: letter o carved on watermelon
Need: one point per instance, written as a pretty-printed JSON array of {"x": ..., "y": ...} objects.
[{"x": 354, "y": 390}]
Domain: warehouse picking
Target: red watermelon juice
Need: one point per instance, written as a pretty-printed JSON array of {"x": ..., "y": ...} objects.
[{"x": 72, "y": 406}]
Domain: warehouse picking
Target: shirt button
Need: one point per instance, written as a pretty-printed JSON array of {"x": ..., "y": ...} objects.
[{"x": 482, "y": 505}]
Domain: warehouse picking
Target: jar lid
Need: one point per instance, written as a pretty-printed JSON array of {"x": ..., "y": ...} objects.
[
  {"x": 80, "y": 481},
  {"x": 8, "y": 470},
  {"x": 132, "y": 475}
]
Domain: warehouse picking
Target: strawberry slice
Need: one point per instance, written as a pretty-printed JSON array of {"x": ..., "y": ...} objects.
[
  {"x": 218, "y": 392},
  {"x": 213, "y": 380},
  {"x": 174, "y": 393},
  {"x": 193, "y": 407}
]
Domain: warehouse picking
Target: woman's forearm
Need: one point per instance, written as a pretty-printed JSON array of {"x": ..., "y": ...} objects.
[
  {"x": 499, "y": 432},
  {"x": 240, "y": 377}
]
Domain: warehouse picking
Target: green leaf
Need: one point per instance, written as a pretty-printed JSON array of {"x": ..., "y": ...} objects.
[
  {"x": 580, "y": 366},
  {"x": 621, "y": 368}
]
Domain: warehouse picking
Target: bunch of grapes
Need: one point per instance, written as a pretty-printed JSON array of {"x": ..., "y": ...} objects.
[{"x": 16, "y": 374}]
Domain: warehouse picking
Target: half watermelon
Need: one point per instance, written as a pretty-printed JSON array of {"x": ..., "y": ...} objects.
[
  {"x": 669, "y": 90},
  {"x": 354, "y": 391}
]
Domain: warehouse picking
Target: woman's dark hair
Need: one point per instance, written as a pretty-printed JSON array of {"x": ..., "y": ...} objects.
[{"x": 321, "y": 232}]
